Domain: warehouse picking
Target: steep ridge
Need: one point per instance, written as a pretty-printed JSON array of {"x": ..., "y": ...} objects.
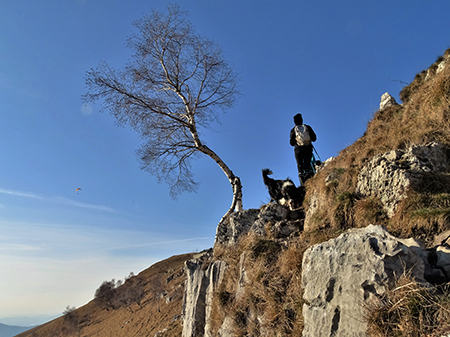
[
  {"x": 397, "y": 176},
  {"x": 391, "y": 185},
  {"x": 337, "y": 199}
]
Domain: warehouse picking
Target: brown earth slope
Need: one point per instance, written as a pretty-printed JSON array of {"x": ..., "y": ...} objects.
[{"x": 144, "y": 305}]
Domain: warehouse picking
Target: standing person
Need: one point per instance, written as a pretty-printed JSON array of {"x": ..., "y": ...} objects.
[{"x": 301, "y": 138}]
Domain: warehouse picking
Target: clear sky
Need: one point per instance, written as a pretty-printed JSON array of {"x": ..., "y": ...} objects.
[{"x": 329, "y": 60}]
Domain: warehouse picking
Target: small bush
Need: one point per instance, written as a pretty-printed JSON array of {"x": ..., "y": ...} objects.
[
  {"x": 105, "y": 293},
  {"x": 116, "y": 294},
  {"x": 71, "y": 320},
  {"x": 224, "y": 297},
  {"x": 130, "y": 294},
  {"x": 69, "y": 311}
]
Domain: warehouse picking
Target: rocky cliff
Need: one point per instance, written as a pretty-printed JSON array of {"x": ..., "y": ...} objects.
[{"x": 376, "y": 214}]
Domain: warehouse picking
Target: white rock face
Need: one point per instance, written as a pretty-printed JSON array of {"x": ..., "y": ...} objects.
[
  {"x": 386, "y": 101},
  {"x": 251, "y": 220},
  {"x": 203, "y": 278},
  {"x": 214, "y": 275},
  {"x": 340, "y": 275},
  {"x": 239, "y": 224},
  {"x": 441, "y": 65},
  {"x": 388, "y": 176}
]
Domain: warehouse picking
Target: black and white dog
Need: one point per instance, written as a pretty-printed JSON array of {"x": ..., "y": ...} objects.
[{"x": 283, "y": 192}]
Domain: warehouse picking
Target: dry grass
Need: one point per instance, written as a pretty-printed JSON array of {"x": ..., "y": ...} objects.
[
  {"x": 422, "y": 215},
  {"x": 410, "y": 309},
  {"x": 145, "y": 318},
  {"x": 424, "y": 117},
  {"x": 271, "y": 298}
]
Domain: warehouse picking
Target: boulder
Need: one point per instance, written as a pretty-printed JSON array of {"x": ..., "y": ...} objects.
[
  {"x": 251, "y": 221},
  {"x": 269, "y": 215},
  {"x": 239, "y": 223},
  {"x": 387, "y": 101},
  {"x": 441, "y": 66},
  {"x": 389, "y": 176},
  {"x": 226, "y": 329},
  {"x": 340, "y": 275}
]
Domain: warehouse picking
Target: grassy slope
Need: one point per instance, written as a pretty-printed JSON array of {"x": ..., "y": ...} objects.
[
  {"x": 153, "y": 314},
  {"x": 423, "y": 117},
  {"x": 274, "y": 293}
]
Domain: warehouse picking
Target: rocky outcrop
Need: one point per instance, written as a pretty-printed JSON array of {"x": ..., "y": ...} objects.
[
  {"x": 272, "y": 217},
  {"x": 238, "y": 224},
  {"x": 387, "y": 101},
  {"x": 214, "y": 275},
  {"x": 203, "y": 277},
  {"x": 340, "y": 275},
  {"x": 389, "y": 176}
]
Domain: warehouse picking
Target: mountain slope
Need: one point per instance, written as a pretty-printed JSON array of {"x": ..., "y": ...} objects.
[
  {"x": 269, "y": 261},
  {"x": 424, "y": 117},
  {"x": 158, "y": 308}
]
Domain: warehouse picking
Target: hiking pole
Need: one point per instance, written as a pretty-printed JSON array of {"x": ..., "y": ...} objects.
[{"x": 317, "y": 153}]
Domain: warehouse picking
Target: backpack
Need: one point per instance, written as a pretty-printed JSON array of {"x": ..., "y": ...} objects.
[{"x": 302, "y": 135}]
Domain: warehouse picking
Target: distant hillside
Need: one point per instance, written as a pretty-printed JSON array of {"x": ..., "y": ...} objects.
[
  {"x": 157, "y": 305},
  {"x": 10, "y": 330},
  {"x": 397, "y": 175}
]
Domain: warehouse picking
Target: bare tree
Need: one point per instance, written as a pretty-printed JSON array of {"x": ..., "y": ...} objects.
[{"x": 175, "y": 84}]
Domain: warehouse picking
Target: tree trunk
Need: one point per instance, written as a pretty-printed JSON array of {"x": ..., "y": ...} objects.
[{"x": 236, "y": 204}]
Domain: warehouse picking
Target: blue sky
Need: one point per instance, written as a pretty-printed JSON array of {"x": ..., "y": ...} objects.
[{"x": 329, "y": 60}]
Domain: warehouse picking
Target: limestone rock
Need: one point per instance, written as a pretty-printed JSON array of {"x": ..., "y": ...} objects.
[
  {"x": 387, "y": 101},
  {"x": 340, "y": 275},
  {"x": 203, "y": 277},
  {"x": 442, "y": 238},
  {"x": 226, "y": 329},
  {"x": 243, "y": 277},
  {"x": 194, "y": 304},
  {"x": 331, "y": 178},
  {"x": 284, "y": 229},
  {"x": 388, "y": 176},
  {"x": 239, "y": 223},
  {"x": 214, "y": 275},
  {"x": 269, "y": 215},
  {"x": 315, "y": 203},
  {"x": 441, "y": 65},
  {"x": 251, "y": 220}
]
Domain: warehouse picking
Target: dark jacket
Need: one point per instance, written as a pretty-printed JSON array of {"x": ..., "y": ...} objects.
[{"x": 292, "y": 140}]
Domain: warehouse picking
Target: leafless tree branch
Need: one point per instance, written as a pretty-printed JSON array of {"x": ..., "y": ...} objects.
[{"x": 175, "y": 82}]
